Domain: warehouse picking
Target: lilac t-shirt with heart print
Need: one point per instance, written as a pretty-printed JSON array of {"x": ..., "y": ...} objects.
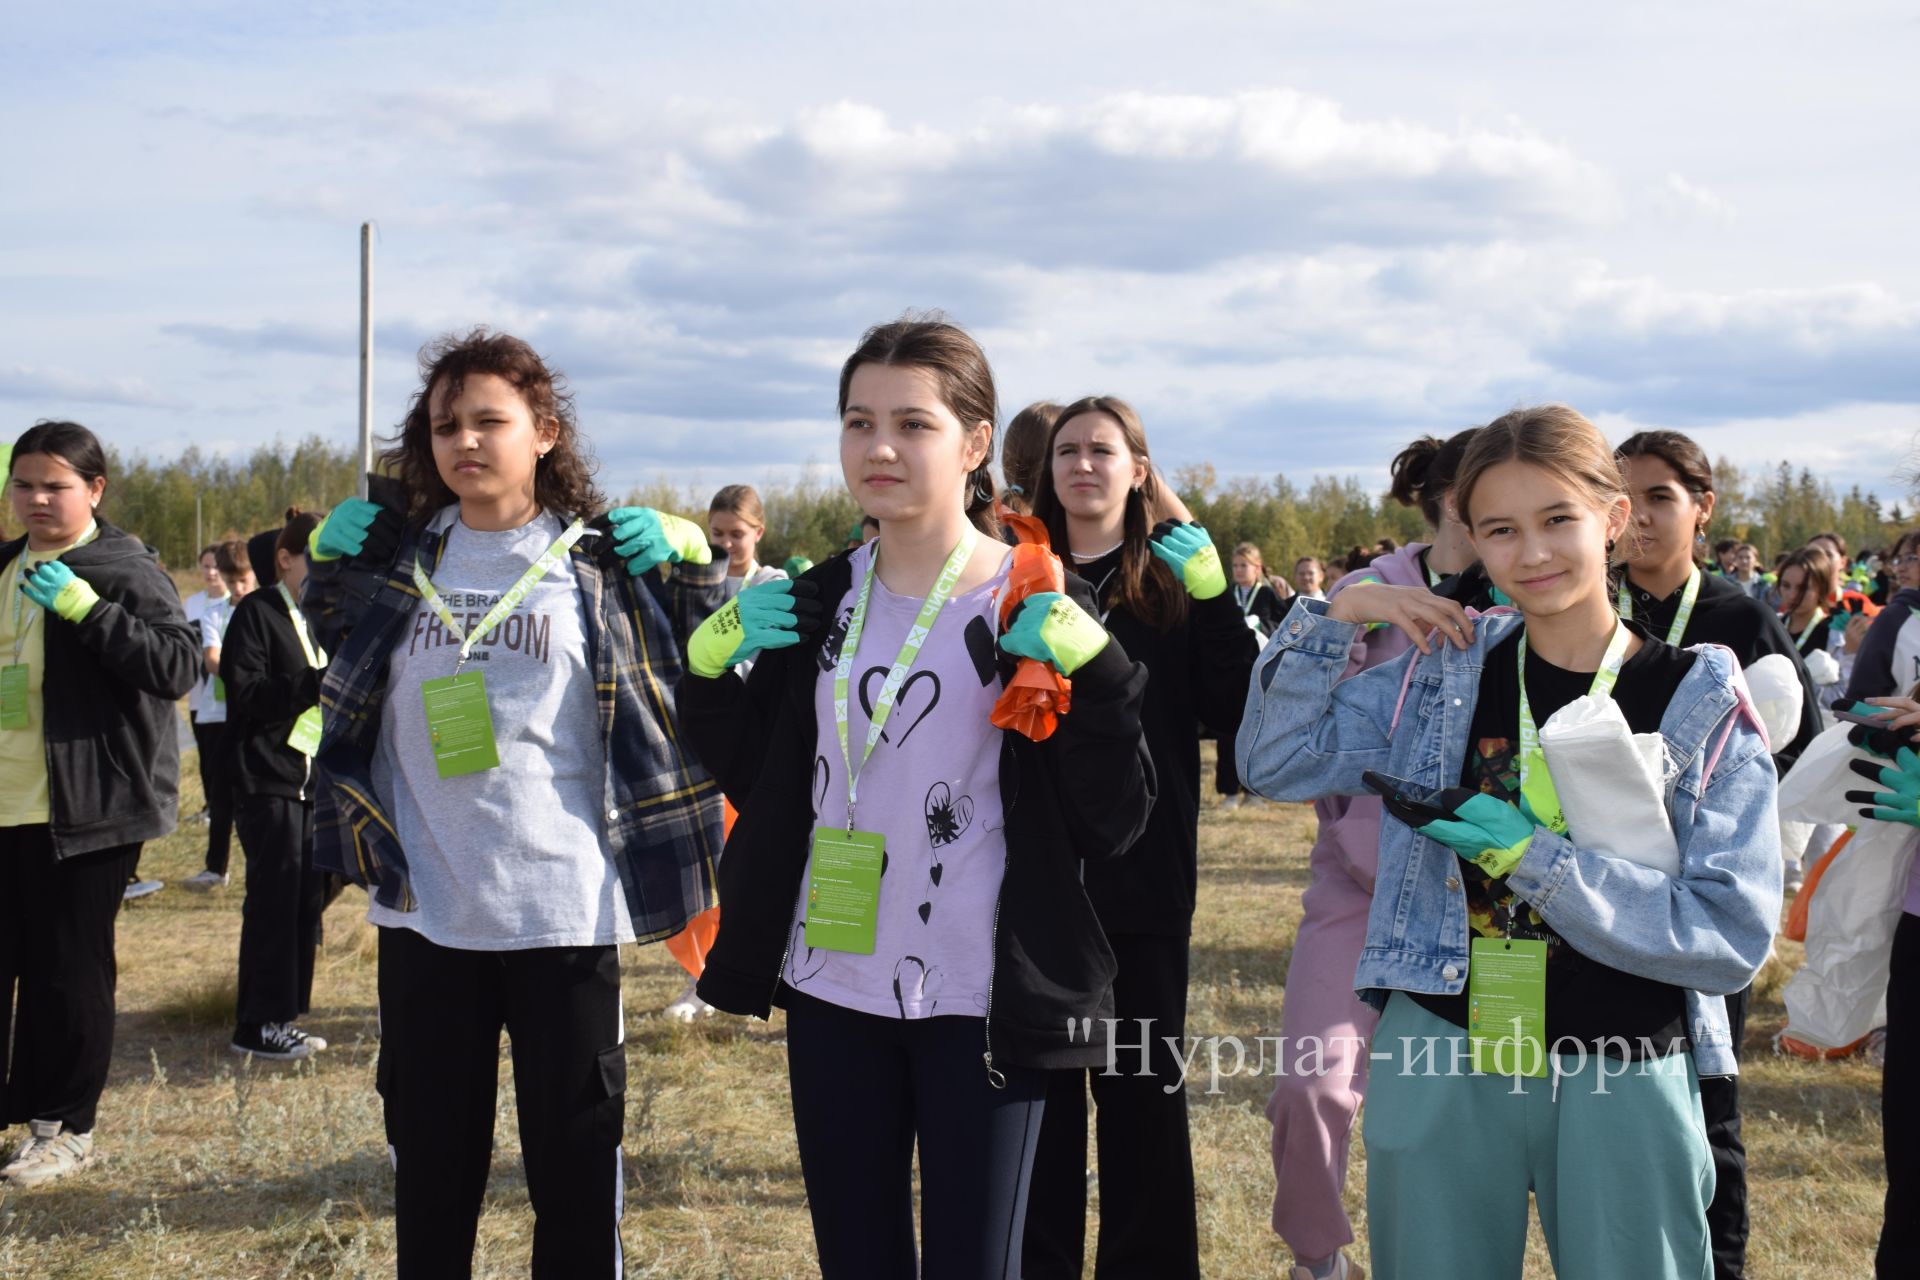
[{"x": 932, "y": 788}]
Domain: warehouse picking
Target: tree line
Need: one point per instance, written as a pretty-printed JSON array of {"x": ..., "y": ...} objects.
[{"x": 1775, "y": 506}]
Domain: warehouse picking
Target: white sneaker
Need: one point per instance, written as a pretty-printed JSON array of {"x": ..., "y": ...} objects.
[
  {"x": 51, "y": 1151},
  {"x": 202, "y": 881},
  {"x": 313, "y": 1042},
  {"x": 1231, "y": 802},
  {"x": 141, "y": 888},
  {"x": 688, "y": 1006}
]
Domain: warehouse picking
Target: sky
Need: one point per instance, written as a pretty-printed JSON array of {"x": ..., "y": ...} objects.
[{"x": 1294, "y": 235}]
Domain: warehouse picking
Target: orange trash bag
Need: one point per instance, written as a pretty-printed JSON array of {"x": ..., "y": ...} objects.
[
  {"x": 691, "y": 944},
  {"x": 1803, "y": 901},
  {"x": 1037, "y": 695}
]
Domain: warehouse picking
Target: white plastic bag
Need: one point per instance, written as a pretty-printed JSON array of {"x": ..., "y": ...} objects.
[{"x": 1611, "y": 784}]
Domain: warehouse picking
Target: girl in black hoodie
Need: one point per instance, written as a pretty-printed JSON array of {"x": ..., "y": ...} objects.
[
  {"x": 1665, "y": 590},
  {"x": 1163, "y": 593},
  {"x": 962, "y": 956},
  {"x": 271, "y": 664},
  {"x": 96, "y": 652}
]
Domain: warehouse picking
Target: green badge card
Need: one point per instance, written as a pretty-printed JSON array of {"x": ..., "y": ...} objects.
[
  {"x": 460, "y": 724},
  {"x": 1507, "y": 1006},
  {"x": 219, "y": 689},
  {"x": 13, "y": 696},
  {"x": 304, "y": 737},
  {"x": 843, "y": 889}
]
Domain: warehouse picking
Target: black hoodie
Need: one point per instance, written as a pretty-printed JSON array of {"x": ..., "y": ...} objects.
[
  {"x": 269, "y": 683},
  {"x": 110, "y": 687},
  {"x": 1873, "y": 674},
  {"x": 1083, "y": 793}
]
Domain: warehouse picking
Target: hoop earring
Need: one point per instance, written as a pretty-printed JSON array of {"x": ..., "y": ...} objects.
[{"x": 1609, "y": 548}]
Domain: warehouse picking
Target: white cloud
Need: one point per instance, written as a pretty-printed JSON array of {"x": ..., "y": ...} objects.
[{"x": 52, "y": 387}]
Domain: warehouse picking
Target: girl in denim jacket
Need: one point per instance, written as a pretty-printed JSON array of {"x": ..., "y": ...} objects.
[{"x": 1592, "y": 984}]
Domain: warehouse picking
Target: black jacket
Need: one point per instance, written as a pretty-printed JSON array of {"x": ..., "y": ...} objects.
[
  {"x": 1199, "y": 670},
  {"x": 269, "y": 683},
  {"x": 1267, "y": 608},
  {"x": 1726, "y": 615},
  {"x": 1873, "y": 674},
  {"x": 1085, "y": 792},
  {"x": 111, "y": 684}
]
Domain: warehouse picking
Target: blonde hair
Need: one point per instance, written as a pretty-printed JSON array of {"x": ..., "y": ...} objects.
[
  {"x": 741, "y": 501},
  {"x": 1252, "y": 553}
]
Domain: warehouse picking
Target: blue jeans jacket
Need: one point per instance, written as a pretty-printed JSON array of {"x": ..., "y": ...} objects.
[{"x": 1307, "y": 734}]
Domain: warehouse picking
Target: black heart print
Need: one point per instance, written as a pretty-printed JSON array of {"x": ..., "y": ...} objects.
[
  {"x": 899, "y": 699},
  {"x": 947, "y": 818},
  {"x": 829, "y": 655},
  {"x": 980, "y": 647}
]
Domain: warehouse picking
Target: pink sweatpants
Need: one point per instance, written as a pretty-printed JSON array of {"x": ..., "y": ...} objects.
[{"x": 1313, "y": 1113}]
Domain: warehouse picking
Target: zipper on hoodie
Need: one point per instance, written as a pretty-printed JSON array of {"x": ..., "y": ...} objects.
[{"x": 994, "y": 1077}]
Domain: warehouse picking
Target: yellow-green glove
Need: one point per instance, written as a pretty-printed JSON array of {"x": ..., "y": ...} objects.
[
  {"x": 772, "y": 615},
  {"x": 1490, "y": 833},
  {"x": 646, "y": 538},
  {"x": 1052, "y": 628},
  {"x": 53, "y": 586},
  {"x": 1189, "y": 552}
]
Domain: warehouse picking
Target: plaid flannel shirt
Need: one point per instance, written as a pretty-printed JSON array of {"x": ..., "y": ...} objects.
[{"x": 663, "y": 811}]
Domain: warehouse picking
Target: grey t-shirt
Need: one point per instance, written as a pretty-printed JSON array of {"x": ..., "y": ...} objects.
[{"x": 512, "y": 857}]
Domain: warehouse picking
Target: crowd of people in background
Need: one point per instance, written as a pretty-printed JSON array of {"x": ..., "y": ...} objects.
[{"x": 937, "y": 796}]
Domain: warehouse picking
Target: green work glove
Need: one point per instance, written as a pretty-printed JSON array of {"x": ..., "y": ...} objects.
[
  {"x": 1490, "y": 833},
  {"x": 1901, "y": 801},
  {"x": 354, "y": 528},
  {"x": 646, "y": 538},
  {"x": 1189, "y": 552},
  {"x": 772, "y": 615},
  {"x": 1052, "y": 628},
  {"x": 53, "y": 586}
]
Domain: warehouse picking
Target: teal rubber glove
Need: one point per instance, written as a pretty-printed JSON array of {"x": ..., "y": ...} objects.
[
  {"x": 1051, "y": 628},
  {"x": 1490, "y": 833},
  {"x": 646, "y": 539},
  {"x": 772, "y": 615},
  {"x": 1189, "y": 552},
  {"x": 344, "y": 531},
  {"x": 1900, "y": 802},
  {"x": 53, "y": 586}
]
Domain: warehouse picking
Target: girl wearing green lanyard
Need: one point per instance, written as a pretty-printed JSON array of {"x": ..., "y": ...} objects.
[
  {"x": 1664, "y": 589},
  {"x": 1547, "y": 1009},
  {"x": 271, "y": 667},
  {"x": 904, "y": 876},
  {"x": 502, "y": 768},
  {"x": 94, "y": 653}
]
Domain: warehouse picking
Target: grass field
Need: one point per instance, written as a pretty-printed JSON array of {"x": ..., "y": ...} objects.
[{"x": 217, "y": 1170}]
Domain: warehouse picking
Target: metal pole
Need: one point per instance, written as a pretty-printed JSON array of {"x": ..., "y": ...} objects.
[
  {"x": 199, "y": 540},
  {"x": 366, "y": 354}
]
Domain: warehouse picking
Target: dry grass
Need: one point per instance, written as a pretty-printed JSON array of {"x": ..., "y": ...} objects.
[{"x": 214, "y": 1169}]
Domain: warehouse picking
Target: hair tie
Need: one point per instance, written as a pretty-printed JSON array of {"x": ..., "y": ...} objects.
[{"x": 1014, "y": 488}]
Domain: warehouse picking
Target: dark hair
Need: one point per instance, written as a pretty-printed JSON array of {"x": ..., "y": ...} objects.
[
  {"x": 1725, "y": 545},
  {"x": 1386, "y": 546},
  {"x": 1829, "y": 536},
  {"x": 1818, "y": 572},
  {"x": 1424, "y": 471},
  {"x": 866, "y": 521},
  {"x": 957, "y": 363},
  {"x": 1146, "y": 586},
  {"x": 211, "y": 549},
  {"x": 1688, "y": 460},
  {"x": 562, "y": 479},
  {"x": 294, "y": 533},
  {"x": 1023, "y": 452},
  {"x": 70, "y": 442},
  {"x": 1910, "y": 538},
  {"x": 230, "y": 558}
]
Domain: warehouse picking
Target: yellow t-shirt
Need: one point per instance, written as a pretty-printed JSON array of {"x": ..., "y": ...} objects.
[{"x": 23, "y": 752}]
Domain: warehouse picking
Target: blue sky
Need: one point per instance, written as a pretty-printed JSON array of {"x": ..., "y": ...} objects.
[{"x": 1295, "y": 235}]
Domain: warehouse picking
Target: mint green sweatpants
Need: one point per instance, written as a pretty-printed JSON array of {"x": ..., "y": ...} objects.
[{"x": 1622, "y": 1177}]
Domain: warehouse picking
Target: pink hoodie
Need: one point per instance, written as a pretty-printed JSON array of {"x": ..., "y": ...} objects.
[{"x": 1350, "y": 825}]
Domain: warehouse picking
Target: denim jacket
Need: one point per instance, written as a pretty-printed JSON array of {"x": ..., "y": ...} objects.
[{"x": 1307, "y": 734}]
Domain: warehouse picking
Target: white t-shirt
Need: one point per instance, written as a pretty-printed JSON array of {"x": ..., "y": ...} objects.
[
  {"x": 761, "y": 573},
  {"x": 211, "y": 615},
  {"x": 513, "y": 857}
]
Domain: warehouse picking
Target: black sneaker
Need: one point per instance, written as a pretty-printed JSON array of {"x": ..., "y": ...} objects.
[{"x": 275, "y": 1041}]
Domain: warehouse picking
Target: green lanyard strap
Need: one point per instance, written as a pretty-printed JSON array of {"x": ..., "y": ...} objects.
[
  {"x": 316, "y": 657},
  {"x": 1680, "y": 618},
  {"x": 1536, "y": 783},
  {"x": 897, "y": 674},
  {"x": 1819, "y": 616},
  {"x": 507, "y": 603},
  {"x": 18, "y": 570}
]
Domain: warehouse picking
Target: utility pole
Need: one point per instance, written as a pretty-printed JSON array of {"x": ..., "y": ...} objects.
[{"x": 366, "y": 354}]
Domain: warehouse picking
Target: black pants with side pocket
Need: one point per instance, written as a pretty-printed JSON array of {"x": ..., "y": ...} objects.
[
  {"x": 280, "y": 916},
  {"x": 441, "y": 1014},
  {"x": 1720, "y": 1106}
]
